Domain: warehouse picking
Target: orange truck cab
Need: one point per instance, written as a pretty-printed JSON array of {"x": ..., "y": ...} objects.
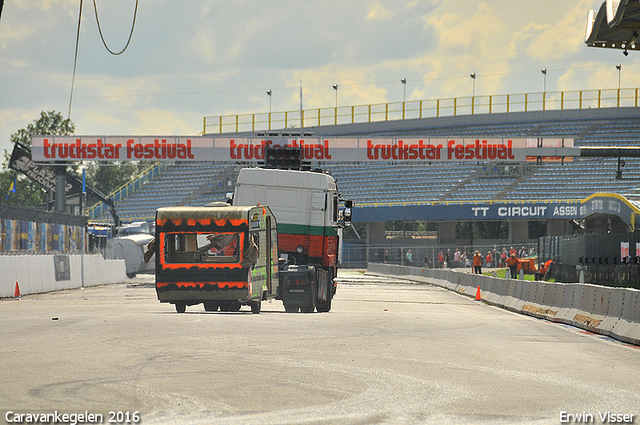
[{"x": 221, "y": 256}]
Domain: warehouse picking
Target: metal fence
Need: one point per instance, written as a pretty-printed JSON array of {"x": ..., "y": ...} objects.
[
  {"x": 357, "y": 254},
  {"x": 428, "y": 108},
  {"x": 603, "y": 259}
]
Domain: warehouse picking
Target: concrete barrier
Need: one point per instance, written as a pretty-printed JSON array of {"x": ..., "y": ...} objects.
[
  {"x": 600, "y": 309},
  {"x": 40, "y": 273}
]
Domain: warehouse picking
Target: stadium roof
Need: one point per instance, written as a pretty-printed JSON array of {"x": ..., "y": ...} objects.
[
  {"x": 615, "y": 25},
  {"x": 598, "y": 204}
]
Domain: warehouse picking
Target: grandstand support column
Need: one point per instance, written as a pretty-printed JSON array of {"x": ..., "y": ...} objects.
[
  {"x": 518, "y": 230},
  {"x": 375, "y": 236},
  {"x": 61, "y": 189},
  {"x": 446, "y": 232},
  {"x": 376, "y": 230},
  {"x": 556, "y": 227}
]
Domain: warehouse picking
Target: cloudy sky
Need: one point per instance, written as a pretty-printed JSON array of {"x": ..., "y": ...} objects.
[{"x": 189, "y": 59}]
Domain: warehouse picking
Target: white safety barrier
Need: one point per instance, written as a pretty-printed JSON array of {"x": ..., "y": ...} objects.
[
  {"x": 600, "y": 309},
  {"x": 37, "y": 273}
]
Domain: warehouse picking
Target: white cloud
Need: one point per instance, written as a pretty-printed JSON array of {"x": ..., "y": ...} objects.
[
  {"x": 378, "y": 11},
  {"x": 561, "y": 38},
  {"x": 187, "y": 60}
]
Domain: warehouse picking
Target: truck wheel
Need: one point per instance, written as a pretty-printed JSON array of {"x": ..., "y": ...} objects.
[
  {"x": 235, "y": 306},
  {"x": 324, "y": 308},
  {"x": 307, "y": 309},
  {"x": 256, "y": 306},
  {"x": 290, "y": 309},
  {"x": 181, "y": 307}
]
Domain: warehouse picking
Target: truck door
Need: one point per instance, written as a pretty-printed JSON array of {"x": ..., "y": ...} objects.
[{"x": 318, "y": 206}]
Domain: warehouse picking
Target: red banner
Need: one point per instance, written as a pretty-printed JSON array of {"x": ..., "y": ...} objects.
[{"x": 174, "y": 148}]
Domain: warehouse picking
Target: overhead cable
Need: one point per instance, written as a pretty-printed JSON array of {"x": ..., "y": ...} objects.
[
  {"x": 75, "y": 60},
  {"x": 133, "y": 24}
]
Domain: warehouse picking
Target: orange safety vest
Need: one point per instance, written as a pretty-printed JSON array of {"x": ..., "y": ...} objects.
[{"x": 512, "y": 261}]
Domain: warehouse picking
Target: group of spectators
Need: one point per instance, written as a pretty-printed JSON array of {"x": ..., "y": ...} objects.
[{"x": 493, "y": 259}]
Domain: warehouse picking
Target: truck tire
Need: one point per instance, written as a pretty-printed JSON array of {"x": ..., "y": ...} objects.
[
  {"x": 307, "y": 309},
  {"x": 325, "y": 307},
  {"x": 181, "y": 307},
  {"x": 256, "y": 306},
  {"x": 290, "y": 309}
]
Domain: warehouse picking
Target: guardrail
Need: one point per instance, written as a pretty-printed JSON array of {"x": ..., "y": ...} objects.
[
  {"x": 614, "y": 312},
  {"x": 35, "y": 274},
  {"x": 452, "y": 106}
]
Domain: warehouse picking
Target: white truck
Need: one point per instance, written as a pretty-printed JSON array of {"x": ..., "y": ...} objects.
[{"x": 310, "y": 214}]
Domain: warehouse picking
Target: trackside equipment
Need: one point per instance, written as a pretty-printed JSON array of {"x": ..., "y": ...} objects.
[
  {"x": 311, "y": 215},
  {"x": 221, "y": 256}
]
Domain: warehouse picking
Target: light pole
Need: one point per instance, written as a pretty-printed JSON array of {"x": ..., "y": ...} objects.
[
  {"x": 619, "y": 68},
  {"x": 335, "y": 87},
  {"x": 544, "y": 89},
  {"x": 269, "y": 94},
  {"x": 473, "y": 77},
  {"x": 404, "y": 84}
]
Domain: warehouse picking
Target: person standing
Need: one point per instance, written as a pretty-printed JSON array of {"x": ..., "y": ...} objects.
[
  {"x": 409, "y": 257},
  {"x": 512, "y": 262},
  {"x": 503, "y": 257},
  {"x": 523, "y": 252},
  {"x": 456, "y": 258},
  {"x": 477, "y": 263}
]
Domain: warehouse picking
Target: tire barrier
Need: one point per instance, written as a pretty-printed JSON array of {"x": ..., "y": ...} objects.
[
  {"x": 614, "y": 312},
  {"x": 44, "y": 273}
]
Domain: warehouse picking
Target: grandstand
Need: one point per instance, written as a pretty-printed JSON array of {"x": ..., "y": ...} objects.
[{"x": 385, "y": 184}]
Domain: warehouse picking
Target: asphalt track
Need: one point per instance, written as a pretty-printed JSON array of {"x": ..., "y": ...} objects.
[{"x": 389, "y": 352}]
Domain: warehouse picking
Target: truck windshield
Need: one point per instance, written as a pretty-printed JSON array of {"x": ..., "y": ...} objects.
[{"x": 201, "y": 248}]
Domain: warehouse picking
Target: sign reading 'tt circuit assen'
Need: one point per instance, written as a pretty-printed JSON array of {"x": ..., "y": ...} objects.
[{"x": 597, "y": 204}]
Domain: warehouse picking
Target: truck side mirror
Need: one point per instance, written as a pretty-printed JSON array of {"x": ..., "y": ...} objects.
[{"x": 347, "y": 217}]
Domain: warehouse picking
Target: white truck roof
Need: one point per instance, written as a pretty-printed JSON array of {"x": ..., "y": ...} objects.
[
  {"x": 286, "y": 178},
  {"x": 295, "y": 197}
]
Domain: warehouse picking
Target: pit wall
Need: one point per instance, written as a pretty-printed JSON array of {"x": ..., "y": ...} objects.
[
  {"x": 614, "y": 312},
  {"x": 40, "y": 273}
]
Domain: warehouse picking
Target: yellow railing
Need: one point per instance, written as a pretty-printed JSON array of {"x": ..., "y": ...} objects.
[{"x": 485, "y": 104}]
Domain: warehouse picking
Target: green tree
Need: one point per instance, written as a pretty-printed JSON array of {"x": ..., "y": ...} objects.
[
  {"x": 49, "y": 123},
  {"x": 29, "y": 193},
  {"x": 107, "y": 178}
]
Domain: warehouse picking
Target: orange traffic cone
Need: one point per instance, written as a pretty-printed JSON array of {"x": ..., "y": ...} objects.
[
  {"x": 16, "y": 293},
  {"x": 478, "y": 296}
]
